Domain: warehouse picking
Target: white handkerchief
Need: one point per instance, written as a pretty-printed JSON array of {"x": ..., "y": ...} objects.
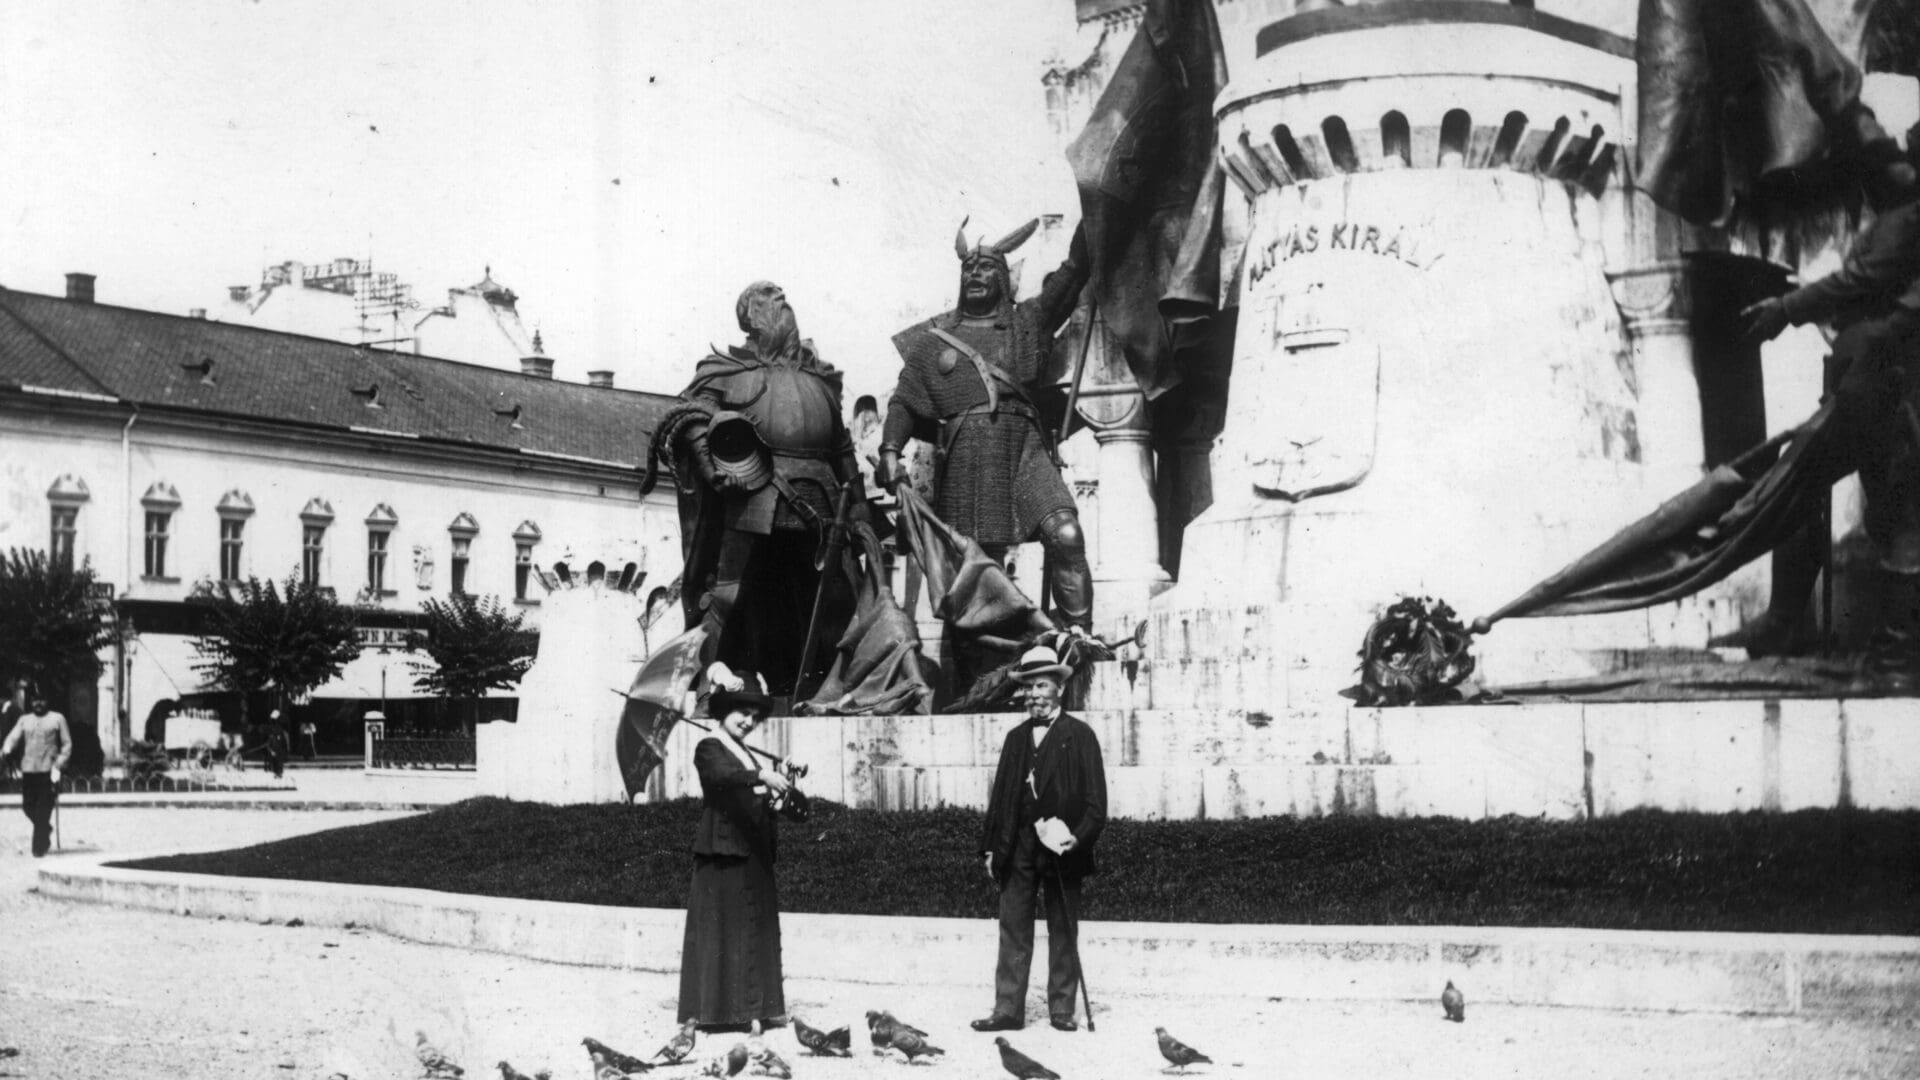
[{"x": 1053, "y": 833}]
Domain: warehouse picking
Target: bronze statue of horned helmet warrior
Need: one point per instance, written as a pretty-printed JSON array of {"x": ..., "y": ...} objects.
[{"x": 986, "y": 281}]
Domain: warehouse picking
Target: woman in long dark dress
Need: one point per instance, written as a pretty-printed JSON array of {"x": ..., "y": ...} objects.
[{"x": 730, "y": 965}]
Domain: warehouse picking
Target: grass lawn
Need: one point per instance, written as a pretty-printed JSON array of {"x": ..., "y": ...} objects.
[{"x": 1820, "y": 871}]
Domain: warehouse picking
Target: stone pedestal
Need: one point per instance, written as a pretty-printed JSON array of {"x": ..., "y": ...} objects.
[
  {"x": 1434, "y": 390},
  {"x": 560, "y": 750}
]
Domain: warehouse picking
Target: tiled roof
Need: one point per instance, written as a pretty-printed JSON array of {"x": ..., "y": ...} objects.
[{"x": 160, "y": 360}]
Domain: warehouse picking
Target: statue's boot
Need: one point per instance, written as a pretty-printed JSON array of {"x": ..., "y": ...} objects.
[
  {"x": 1893, "y": 652},
  {"x": 1768, "y": 634},
  {"x": 1786, "y": 627}
]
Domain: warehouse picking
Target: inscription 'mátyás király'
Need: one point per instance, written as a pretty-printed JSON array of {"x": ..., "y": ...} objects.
[{"x": 1390, "y": 242}]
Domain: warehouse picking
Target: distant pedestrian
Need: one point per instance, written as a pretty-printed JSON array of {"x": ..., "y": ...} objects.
[
  {"x": 276, "y": 747},
  {"x": 47, "y": 744},
  {"x": 307, "y": 732}
]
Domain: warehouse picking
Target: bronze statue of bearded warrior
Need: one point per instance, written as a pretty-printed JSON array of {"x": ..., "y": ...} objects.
[
  {"x": 759, "y": 452},
  {"x": 976, "y": 383}
]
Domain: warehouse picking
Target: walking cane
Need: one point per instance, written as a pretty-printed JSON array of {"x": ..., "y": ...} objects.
[{"x": 1073, "y": 939}]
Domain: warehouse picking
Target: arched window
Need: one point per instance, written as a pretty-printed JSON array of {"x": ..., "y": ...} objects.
[
  {"x": 524, "y": 539},
  {"x": 380, "y": 525},
  {"x": 461, "y": 533},
  {"x": 234, "y": 509},
  {"x": 1512, "y": 130},
  {"x": 314, "y": 519},
  {"x": 1456, "y": 128},
  {"x": 159, "y": 503},
  {"x": 65, "y": 498},
  {"x": 1339, "y": 144},
  {"x": 1396, "y": 139},
  {"x": 1290, "y": 155},
  {"x": 1550, "y": 149}
]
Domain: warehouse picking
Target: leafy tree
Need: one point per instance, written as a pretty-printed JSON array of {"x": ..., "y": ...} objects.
[
  {"x": 477, "y": 645},
  {"x": 51, "y": 628},
  {"x": 291, "y": 638}
]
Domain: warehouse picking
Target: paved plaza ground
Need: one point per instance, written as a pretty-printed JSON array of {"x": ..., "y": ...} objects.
[{"x": 89, "y": 991}]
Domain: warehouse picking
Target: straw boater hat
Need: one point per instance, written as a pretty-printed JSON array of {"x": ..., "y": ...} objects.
[{"x": 1037, "y": 662}]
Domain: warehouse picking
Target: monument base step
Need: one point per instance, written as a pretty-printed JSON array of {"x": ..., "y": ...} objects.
[{"x": 1556, "y": 760}]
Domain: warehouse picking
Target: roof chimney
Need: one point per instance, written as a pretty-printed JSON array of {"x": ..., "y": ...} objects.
[
  {"x": 602, "y": 379},
  {"x": 539, "y": 365},
  {"x": 197, "y": 313},
  {"x": 80, "y": 288}
]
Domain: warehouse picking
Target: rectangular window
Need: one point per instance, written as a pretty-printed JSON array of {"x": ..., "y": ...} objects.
[
  {"x": 462, "y": 550},
  {"x": 230, "y": 529},
  {"x": 157, "y": 522},
  {"x": 376, "y": 561},
  {"x": 65, "y": 530},
  {"x": 312, "y": 537},
  {"x": 522, "y": 569}
]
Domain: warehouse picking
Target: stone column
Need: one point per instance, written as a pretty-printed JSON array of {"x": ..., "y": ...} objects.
[
  {"x": 1653, "y": 304},
  {"x": 1127, "y": 573}
]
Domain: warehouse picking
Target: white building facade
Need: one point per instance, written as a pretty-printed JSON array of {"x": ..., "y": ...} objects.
[{"x": 171, "y": 452}]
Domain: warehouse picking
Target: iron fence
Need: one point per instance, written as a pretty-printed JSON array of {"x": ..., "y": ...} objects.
[{"x": 414, "y": 750}]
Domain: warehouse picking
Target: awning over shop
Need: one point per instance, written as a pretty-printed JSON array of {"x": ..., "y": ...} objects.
[
  {"x": 161, "y": 666},
  {"x": 362, "y": 678}
]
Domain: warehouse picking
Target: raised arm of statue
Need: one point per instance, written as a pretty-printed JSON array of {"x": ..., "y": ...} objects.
[{"x": 1060, "y": 293}]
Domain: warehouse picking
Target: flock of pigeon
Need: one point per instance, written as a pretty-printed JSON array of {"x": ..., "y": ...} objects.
[{"x": 752, "y": 1057}]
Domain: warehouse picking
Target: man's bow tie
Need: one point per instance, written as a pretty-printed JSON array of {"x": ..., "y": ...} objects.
[{"x": 1043, "y": 721}]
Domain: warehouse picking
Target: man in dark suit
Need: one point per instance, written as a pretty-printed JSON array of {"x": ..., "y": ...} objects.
[{"x": 1050, "y": 776}]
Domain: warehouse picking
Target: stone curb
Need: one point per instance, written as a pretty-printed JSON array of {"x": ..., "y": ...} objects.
[
  {"x": 1598, "y": 969},
  {"x": 191, "y": 802}
]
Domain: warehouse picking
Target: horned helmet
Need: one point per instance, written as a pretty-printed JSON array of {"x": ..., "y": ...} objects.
[{"x": 992, "y": 257}]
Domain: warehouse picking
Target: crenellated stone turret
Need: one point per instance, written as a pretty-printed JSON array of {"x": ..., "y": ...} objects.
[{"x": 1435, "y": 388}]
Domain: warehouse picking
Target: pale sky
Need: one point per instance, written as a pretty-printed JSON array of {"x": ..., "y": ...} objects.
[{"x": 176, "y": 149}]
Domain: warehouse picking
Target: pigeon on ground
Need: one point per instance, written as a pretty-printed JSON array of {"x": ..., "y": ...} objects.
[
  {"x": 881, "y": 1027},
  {"x": 1452, "y": 1000},
  {"x": 768, "y": 1063},
  {"x": 508, "y": 1072},
  {"x": 1178, "y": 1052},
  {"x": 737, "y": 1058},
  {"x": 1020, "y": 1065},
  {"x": 603, "y": 1054},
  {"x": 433, "y": 1064},
  {"x": 680, "y": 1045},
  {"x": 835, "y": 1043},
  {"x": 913, "y": 1044}
]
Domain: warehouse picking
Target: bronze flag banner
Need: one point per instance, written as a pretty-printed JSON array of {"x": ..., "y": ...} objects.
[
  {"x": 654, "y": 706},
  {"x": 878, "y": 669},
  {"x": 1733, "y": 515},
  {"x": 968, "y": 590},
  {"x": 1731, "y": 92},
  {"x": 1150, "y": 189}
]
